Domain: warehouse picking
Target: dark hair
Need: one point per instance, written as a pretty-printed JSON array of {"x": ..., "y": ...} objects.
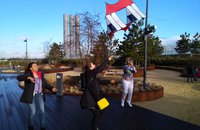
[
  {"x": 129, "y": 60},
  {"x": 87, "y": 65},
  {"x": 88, "y": 62},
  {"x": 29, "y": 66}
]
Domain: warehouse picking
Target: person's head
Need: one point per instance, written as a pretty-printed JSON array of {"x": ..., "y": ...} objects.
[
  {"x": 129, "y": 61},
  {"x": 90, "y": 64},
  {"x": 32, "y": 66}
]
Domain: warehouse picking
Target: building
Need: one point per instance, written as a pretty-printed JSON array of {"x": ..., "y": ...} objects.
[{"x": 71, "y": 36}]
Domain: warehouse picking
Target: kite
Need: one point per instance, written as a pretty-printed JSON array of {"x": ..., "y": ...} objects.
[{"x": 114, "y": 23}]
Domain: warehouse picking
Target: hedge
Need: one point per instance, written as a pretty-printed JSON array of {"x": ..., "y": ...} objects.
[{"x": 176, "y": 61}]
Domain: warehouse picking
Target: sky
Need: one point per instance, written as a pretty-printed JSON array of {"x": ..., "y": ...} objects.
[{"x": 42, "y": 20}]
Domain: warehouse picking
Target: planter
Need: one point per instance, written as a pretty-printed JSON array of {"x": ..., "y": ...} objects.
[
  {"x": 137, "y": 96},
  {"x": 142, "y": 96},
  {"x": 148, "y": 96},
  {"x": 139, "y": 73},
  {"x": 151, "y": 67}
]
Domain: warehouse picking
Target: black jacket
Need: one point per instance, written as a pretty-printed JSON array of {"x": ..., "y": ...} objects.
[
  {"x": 27, "y": 95},
  {"x": 92, "y": 92}
]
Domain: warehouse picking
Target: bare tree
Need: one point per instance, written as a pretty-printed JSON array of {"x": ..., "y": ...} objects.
[
  {"x": 90, "y": 28},
  {"x": 46, "y": 47}
]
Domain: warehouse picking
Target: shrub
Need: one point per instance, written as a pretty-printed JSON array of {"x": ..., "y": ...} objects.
[
  {"x": 177, "y": 61},
  {"x": 72, "y": 62}
]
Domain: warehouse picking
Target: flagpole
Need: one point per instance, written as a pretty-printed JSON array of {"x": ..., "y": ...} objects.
[{"x": 26, "y": 49}]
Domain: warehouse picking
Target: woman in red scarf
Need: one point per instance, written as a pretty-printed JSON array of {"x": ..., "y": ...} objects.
[{"x": 33, "y": 93}]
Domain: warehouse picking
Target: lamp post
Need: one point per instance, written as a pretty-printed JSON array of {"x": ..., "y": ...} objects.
[{"x": 145, "y": 47}]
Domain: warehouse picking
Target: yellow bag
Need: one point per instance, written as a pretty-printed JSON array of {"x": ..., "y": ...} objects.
[{"x": 103, "y": 103}]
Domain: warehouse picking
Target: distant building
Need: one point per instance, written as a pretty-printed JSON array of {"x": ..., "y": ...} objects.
[
  {"x": 71, "y": 36},
  {"x": 169, "y": 50}
]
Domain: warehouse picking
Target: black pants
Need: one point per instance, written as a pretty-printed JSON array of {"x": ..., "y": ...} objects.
[{"x": 97, "y": 114}]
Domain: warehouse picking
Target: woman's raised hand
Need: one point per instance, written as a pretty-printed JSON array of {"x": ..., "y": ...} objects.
[{"x": 110, "y": 58}]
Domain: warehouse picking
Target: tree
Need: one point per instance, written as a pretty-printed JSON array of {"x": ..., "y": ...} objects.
[
  {"x": 90, "y": 26},
  {"x": 46, "y": 47},
  {"x": 195, "y": 44},
  {"x": 133, "y": 45},
  {"x": 55, "y": 53},
  {"x": 103, "y": 47},
  {"x": 183, "y": 45},
  {"x": 154, "y": 48}
]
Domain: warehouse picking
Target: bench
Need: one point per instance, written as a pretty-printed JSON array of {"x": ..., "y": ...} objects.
[{"x": 110, "y": 72}]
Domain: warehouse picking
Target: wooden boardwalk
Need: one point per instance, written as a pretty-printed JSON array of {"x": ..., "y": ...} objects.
[{"x": 64, "y": 113}]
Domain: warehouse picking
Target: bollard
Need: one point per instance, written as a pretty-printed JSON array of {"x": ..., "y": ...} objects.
[
  {"x": 59, "y": 83},
  {"x": 18, "y": 69}
]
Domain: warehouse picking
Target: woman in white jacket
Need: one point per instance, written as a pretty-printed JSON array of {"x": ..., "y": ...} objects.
[{"x": 128, "y": 81}]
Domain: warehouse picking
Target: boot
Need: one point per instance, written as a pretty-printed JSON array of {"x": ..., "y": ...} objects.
[
  {"x": 129, "y": 104},
  {"x": 96, "y": 128},
  {"x": 43, "y": 128},
  {"x": 30, "y": 128},
  {"x": 122, "y": 103}
]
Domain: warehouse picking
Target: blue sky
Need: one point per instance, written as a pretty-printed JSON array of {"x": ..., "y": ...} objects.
[{"x": 42, "y": 20}]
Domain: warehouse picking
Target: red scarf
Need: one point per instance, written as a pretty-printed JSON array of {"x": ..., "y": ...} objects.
[{"x": 39, "y": 74}]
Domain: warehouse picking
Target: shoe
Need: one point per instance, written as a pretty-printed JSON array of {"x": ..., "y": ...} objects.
[
  {"x": 122, "y": 104},
  {"x": 129, "y": 104},
  {"x": 97, "y": 128},
  {"x": 30, "y": 128}
]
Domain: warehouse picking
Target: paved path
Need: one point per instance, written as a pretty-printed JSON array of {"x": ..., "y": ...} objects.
[{"x": 166, "y": 75}]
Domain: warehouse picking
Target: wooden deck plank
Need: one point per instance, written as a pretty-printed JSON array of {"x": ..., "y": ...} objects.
[
  {"x": 16, "y": 108},
  {"x": 14, "y": 119},
  {"x": 67, "y": 111},
  {"x": 64, "y": 113},
  {"x": 5, "y": 109},
  {"x": 1, "y": 105},
  {"x": 55, "y": 122}
]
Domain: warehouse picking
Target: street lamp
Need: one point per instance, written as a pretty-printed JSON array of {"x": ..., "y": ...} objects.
[
  {"x": 149, "y": 30},
  {"x": 145, "y": 47}
]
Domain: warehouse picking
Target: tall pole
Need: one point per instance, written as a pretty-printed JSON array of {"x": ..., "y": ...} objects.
[
  {"x": 145, "y": 47},
  {"x": 26, "y": 49}
]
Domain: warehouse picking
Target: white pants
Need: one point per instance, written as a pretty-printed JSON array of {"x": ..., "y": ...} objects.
[{"x": 127, "y": 88}]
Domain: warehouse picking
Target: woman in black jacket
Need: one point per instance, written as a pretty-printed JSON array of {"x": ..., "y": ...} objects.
[
  {"x": 33, "y": 93},
  {"x": 93, "y": 88}
]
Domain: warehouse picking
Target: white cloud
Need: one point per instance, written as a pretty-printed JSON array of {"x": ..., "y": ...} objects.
[
  {"x": 22, "y": 38},
  {"x": 11, "y": 54},
  {"x": 169, "y": 44},
  {"x": 170, "y": 41},
  {"x": 36, "y": 55},
  {"x": 17, "y": 54}
]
